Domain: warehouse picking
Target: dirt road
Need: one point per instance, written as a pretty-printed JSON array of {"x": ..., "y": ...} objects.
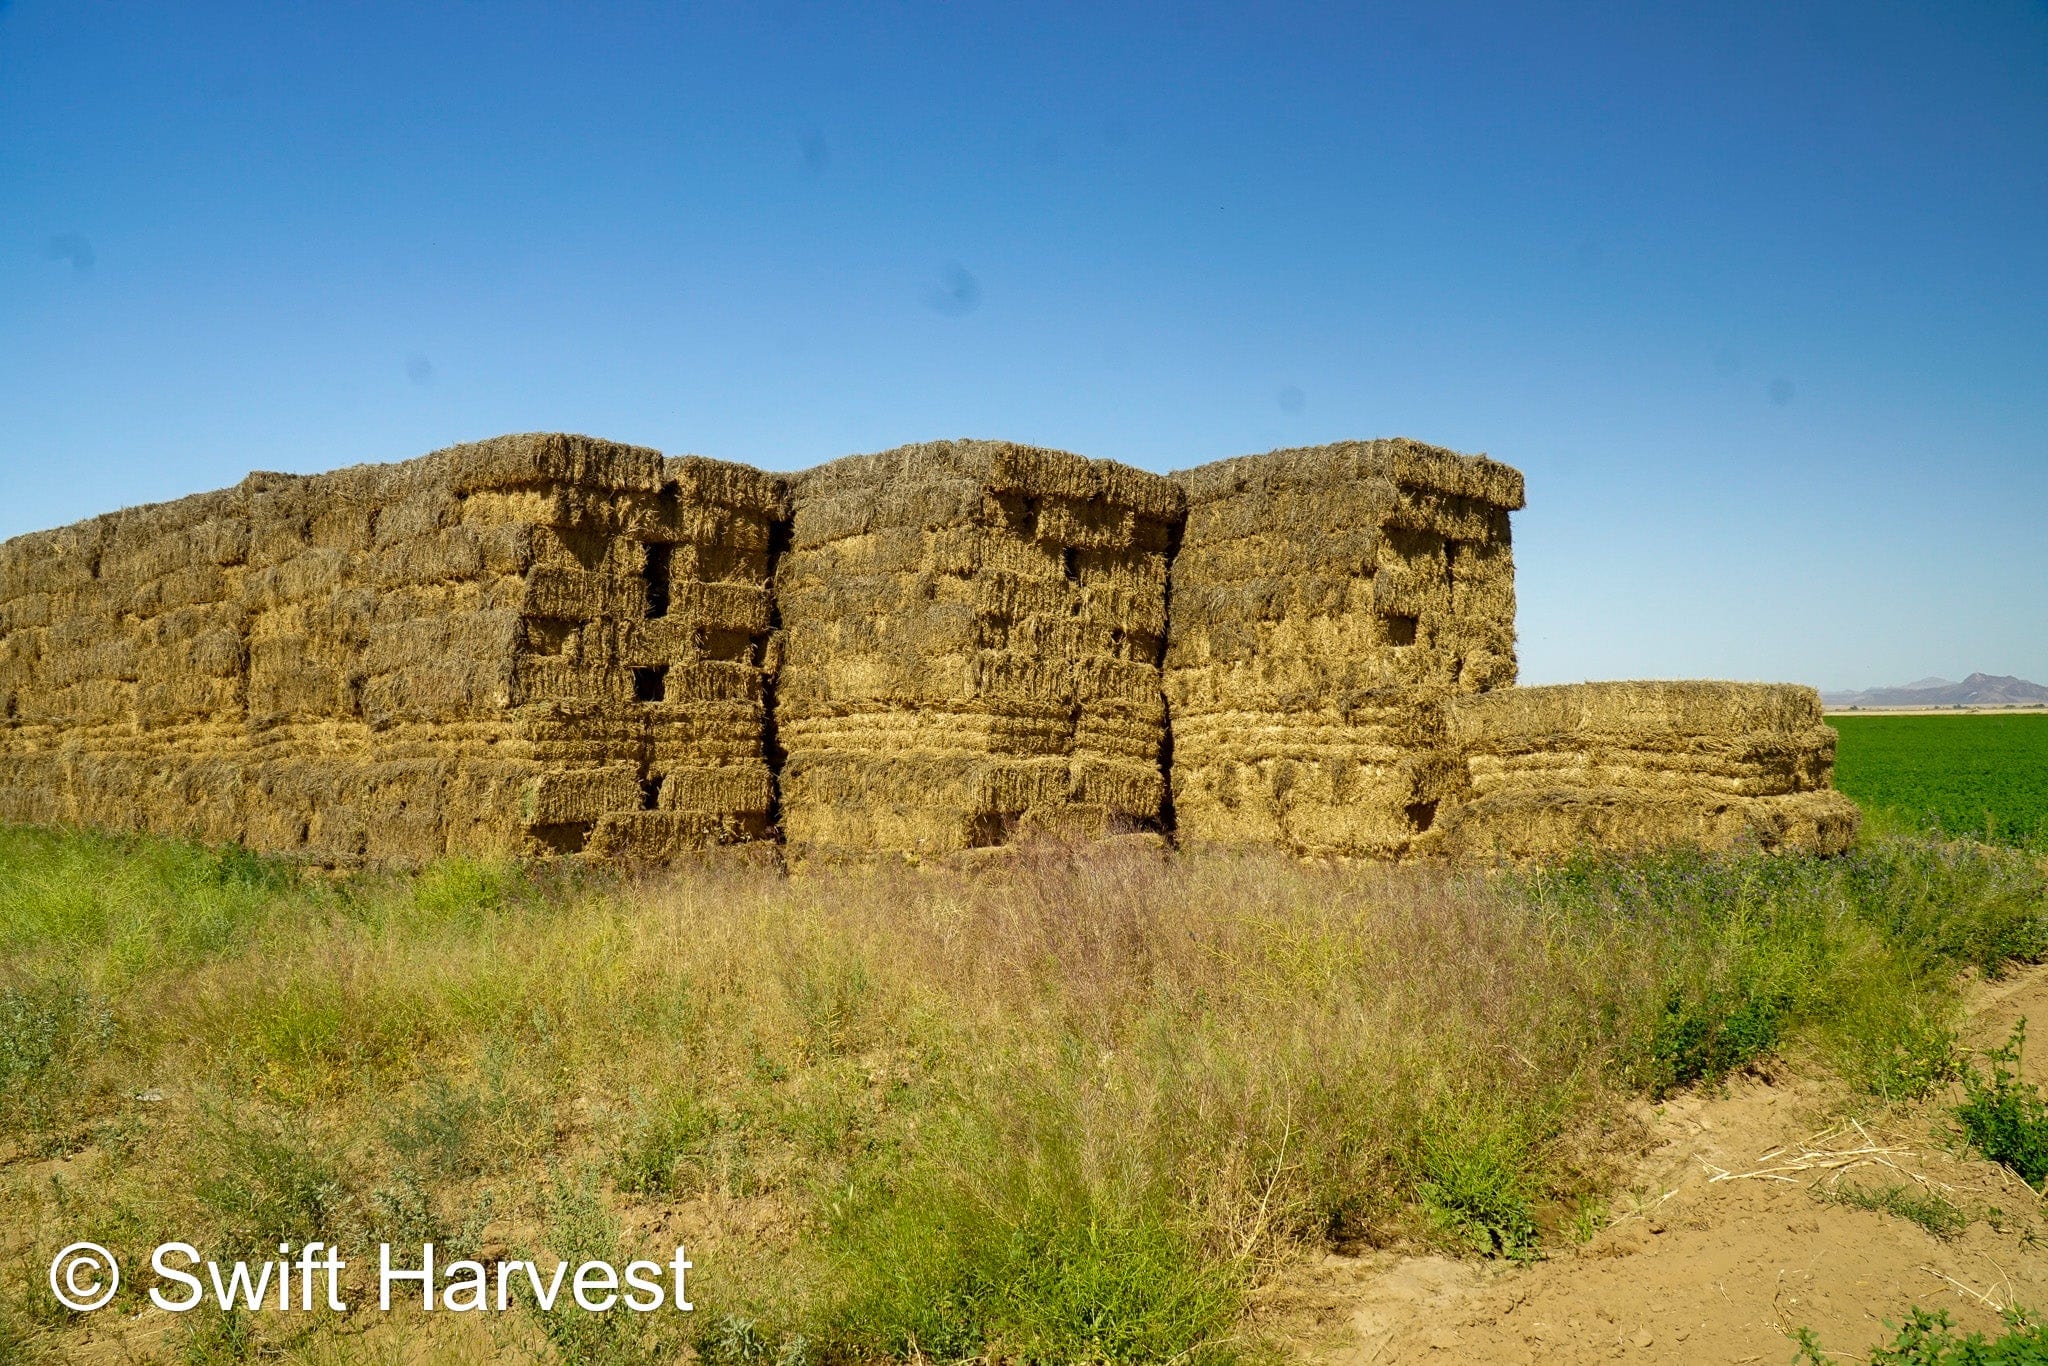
[{"x": 1729, "y": 1243}]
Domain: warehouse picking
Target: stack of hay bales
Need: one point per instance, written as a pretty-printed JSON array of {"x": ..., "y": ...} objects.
[
  {"x": 121, "y": 669},
  {"x": 971, "y": 641},
  {"x": 640, "y": 674},
  {"x": 548, "y": 645},
  {"x": 1641, "y": 765},
  {"x": 534, "y": 645},
  {"x": 380, "y": 630},
  {"x": 1326, "y": 602}
]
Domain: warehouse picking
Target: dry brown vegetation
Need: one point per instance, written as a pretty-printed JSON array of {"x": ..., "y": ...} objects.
[{"x": 1077, "y": 1106}]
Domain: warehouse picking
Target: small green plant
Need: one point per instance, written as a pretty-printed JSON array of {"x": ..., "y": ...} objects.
[
  {"x": 408, "y": 1211},
  {"x": 736, "y": 1341},
  {"x": 404, "y": 1211},
  {"x": 657, "y": 1155},
  {"x": 443, "y": 1131},
  {"x": 1906, "y": 1056},
  {"x": 1930, "y": 1339},
  {"x": 1939, "y": 1216},
  {"x": 2004, "y": 1117},
  {"x": 1475, "y": 1190},
  {"x": 19, "y": 1339},
  {"x": 828, "y": 999},
  {"x": 215, "y": 1337},
  {"x": 49, "y": 1038},
  {"x": 1707, "y": 1037},
  {"x": 1589, "y": 1216}
]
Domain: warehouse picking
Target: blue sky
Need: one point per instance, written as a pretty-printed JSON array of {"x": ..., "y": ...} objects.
[{"x": 1756, "y": 295}]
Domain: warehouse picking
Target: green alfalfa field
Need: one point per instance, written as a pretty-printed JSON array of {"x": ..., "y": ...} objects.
[{"x": 1978, "y": 776}]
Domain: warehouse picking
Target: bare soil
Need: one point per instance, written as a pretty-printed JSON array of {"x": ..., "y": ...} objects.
[{"x": 1728, "y": 1242}]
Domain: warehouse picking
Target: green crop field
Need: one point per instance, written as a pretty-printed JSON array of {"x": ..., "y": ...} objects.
[{"x": 1963, "y": 775}]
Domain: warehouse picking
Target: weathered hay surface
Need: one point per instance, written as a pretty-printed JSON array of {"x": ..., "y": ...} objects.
[
  {"x": 1631, "y": 765},
  {"x": 495, "y": 649},
  {"x": 971, "y": 636},
  {"x": 548, "y": 645},
  {"x": 1326, "y": 601}
]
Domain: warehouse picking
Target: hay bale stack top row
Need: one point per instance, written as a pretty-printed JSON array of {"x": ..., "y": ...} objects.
[{"x": 549, "y": 645}]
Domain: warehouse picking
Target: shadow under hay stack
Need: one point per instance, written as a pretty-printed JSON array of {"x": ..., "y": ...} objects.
[{"x": 551, "y": 646}]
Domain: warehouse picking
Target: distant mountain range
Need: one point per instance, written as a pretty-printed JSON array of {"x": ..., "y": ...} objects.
[{"x": 1978, "y": 690}]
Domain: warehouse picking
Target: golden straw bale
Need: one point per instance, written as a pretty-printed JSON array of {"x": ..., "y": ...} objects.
[
  {"x": 1325, "y": 601},
  {"x": 551, "y": 458},
  {"x": 29, "y": 788},
  {"x": 694, "y": 480},
  {"x": 664, "y": 836},
  {"x": 169, "y": 696},
  {"x": 970, "y": 646},
  {"x": 851, "y": 803},
  {"x": 579, "y": 795},
  {"x": 1640, "y": 764},
  {"x": 1567, "y": 819},
  {"x": 579, "y": 595},
  {"x": 1643, "y": 714},
  {"x": 738, "y": 787}
]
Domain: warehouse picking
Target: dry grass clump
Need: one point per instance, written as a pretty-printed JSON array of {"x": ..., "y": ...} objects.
[
  {"x": 1641, "y": 765},
  {"x": 1072, "y": 1107},
  {"x": 971, "y": 643},
  {"x": 1325, "y": 603}
]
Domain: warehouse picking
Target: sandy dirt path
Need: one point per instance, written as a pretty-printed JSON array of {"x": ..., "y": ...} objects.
[{"x": 1724, "y": 1249}]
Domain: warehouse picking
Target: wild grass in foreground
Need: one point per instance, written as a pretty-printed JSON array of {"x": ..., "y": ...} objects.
[
  {"x": 2004, "y": 1117},
  {"x": 1071, "y": 1108}
]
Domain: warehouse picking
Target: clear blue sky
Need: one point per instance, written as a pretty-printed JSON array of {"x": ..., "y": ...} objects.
[{"x": 1756, "y": 295}]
